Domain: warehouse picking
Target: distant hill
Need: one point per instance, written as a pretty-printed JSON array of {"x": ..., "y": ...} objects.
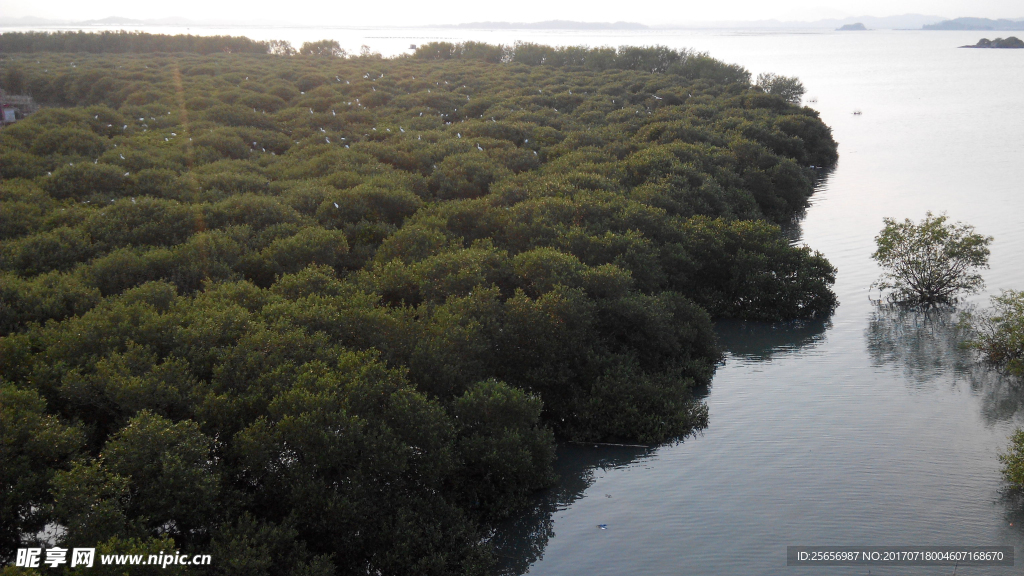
[
  {"x": 113, "y": 21},
  {"x": 549, "y": 25},
  {"x": 976, "y": 24},
  {"x": 134, "y": 22},
  {"x": 852, "y": 27},
  {"x": 31, "y": 21},
  {"x": 899, "y": 22}
]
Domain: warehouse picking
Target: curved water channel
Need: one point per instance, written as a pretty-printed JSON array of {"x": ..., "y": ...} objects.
[{"x": 873, "y": 428}]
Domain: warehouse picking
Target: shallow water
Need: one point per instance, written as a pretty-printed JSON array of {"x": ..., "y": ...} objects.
[{"x": 871, "y": 429}]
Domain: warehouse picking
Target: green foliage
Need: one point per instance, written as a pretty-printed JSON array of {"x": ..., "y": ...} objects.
[
  {"x": 788, "y": 87},
  {"x": 123, "y": 42},
  {"x": 322, "y": 48},
  {"x": 1013, "y": 460},
  {"x": 34, "y": 446},
  {"x": 1000, "y": 331},
  {"x": 506, "y": 453},
  {"x": 930, "y": 263},
  {"x": 328, "y": 315}
]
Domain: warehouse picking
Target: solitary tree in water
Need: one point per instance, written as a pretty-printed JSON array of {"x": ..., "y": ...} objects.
[{"x": 930, "y": 263}]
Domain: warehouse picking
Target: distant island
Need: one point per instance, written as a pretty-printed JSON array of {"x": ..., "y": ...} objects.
[
  {"x": 1011, "y": 42},
  {"x": 549, "y": 25},
  {"x": 852, "y": 27},
  {"x": 976, "y": 24}
]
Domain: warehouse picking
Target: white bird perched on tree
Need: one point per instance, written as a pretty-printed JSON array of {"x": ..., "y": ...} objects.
[
  {"x": 328, "y": 139},
  {"x": 479, "y": 148},
  {"x": 333, "y": 113},
  {"x": 459, "y": 134},
  {"x": 126, "y": 173},
  {"x": 310, "y": 110},
  {"x": 335, "y": 204}
]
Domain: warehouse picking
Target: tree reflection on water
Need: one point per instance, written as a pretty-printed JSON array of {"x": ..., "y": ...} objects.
[
  {"x": 520, "y": 542},
  {"x": 927, "y": 345},
  {"x": 760, "y": 341}
]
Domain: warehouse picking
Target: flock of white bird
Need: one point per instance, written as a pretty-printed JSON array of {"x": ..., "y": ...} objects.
[{"x": 145, "y": 126}]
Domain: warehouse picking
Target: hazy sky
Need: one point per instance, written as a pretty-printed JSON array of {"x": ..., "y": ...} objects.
[{"x": 420, "y": 12}]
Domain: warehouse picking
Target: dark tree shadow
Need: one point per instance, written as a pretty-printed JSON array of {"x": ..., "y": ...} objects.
[
  {"x": 520, "y": 542},
  {"x": 928, "y": 347},
  {"x": 760, "y": 341},
  {"x": 792, "y": 228}
]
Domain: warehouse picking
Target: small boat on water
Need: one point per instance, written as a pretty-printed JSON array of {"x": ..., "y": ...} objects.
[{"x": 856, "y": 112}]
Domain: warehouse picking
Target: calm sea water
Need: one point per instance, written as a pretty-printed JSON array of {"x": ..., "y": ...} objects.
[{"x": 871, "y": 429}]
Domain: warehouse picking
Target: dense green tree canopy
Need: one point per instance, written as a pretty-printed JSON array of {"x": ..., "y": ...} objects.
[{"x": 327, "y": 315}]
